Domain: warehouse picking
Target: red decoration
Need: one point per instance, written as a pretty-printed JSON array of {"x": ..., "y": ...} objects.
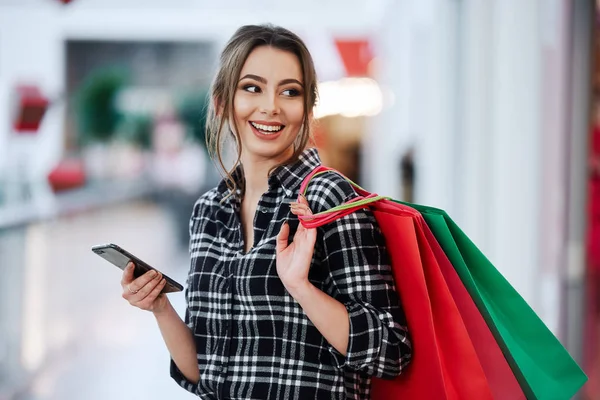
[
  {"x": 356, "y": 56},
  {"x": 30, "y": 108},
  {"x": 68, "y": 174}
]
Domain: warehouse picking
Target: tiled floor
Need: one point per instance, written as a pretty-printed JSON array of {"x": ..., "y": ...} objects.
[{"x": 97, "y": 346}]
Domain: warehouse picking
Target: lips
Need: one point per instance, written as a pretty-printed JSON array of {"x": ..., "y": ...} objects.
[
  {"x": 267, "y": 128},
  {"x": 266, "y": 131}
]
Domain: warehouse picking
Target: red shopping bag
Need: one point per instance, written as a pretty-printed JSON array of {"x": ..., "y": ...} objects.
[
  {"x": 502, "y": 381},
  {"x": 445, "y": 365}
]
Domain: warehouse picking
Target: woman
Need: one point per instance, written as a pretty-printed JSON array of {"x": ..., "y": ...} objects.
[{"x": 267, "y": 316}]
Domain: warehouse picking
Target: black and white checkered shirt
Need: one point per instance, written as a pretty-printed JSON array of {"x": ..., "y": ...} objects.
[{"x": 253, "y": 339}]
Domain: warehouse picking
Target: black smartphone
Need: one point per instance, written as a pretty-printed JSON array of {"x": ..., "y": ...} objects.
[{"x": 121, "y": 257}]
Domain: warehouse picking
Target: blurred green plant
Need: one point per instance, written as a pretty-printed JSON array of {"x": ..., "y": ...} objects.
[
  {"x": 95, "y": 109},
  {"x": 136, "y": 129},
  {"x": 192, "y": 111}
]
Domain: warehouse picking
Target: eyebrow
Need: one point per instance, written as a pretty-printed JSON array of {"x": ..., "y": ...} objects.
[{"x": 263, "y": 80}]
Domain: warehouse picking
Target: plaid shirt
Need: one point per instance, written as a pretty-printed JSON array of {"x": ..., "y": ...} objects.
[{"x": 253, "y": 339}]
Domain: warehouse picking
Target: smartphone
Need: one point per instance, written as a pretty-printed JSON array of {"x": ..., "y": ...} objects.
[{"x": 121, "y": 257}]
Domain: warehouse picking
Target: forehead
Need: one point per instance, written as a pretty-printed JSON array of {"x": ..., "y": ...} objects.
[{"x": 272, "y": 64}]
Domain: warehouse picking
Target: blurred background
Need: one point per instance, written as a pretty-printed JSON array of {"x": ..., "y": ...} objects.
[{"x": 489, "y": 109}]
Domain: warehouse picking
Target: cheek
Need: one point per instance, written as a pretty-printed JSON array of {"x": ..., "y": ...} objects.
[
  {"x": 295, "y": 113},
  {"x": 242, "y": 106}
]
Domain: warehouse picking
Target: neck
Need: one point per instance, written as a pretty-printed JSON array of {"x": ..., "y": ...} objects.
[
  {"x": 256, "y": 174},
  {"x": 256, "y": 178}
]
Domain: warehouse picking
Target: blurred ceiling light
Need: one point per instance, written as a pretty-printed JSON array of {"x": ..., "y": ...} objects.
[{"x": 349, "y": 97}]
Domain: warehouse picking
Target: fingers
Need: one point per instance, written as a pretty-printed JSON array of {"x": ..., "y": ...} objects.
[
  {"x": 302, "y": 200},
  {"x": 139, "y": 283},
  {"x": 128, "y": 274},
  {"x": 148, "y": 300},
  {"x": 145, "y": 290},
  {"x": 131, "y": 290},
  {"x": 300, "y": 207},
  {"x": 282, "y": 237}
]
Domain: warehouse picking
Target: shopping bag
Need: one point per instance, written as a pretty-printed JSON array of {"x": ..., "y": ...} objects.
[
  {"x": 543, "y": 367},
  {"x": 445, "y": 365},
  {"x": 502, "y": 381}
]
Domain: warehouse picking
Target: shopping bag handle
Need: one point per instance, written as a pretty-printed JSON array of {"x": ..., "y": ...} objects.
[{"x": 363, "y": 200}]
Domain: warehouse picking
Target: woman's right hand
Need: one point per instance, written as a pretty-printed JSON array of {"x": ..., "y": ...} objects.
[{"x": 144, "y": 292}]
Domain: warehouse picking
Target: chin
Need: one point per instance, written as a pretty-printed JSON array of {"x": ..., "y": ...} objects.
[
  {"x": 269, "y": 154},
  {"x": 269, "y": 150}
]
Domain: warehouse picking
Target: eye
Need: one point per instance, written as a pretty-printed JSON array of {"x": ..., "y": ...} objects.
[
  {"x": 251, "y": 88},
  {"x": 291, "y": 92}
]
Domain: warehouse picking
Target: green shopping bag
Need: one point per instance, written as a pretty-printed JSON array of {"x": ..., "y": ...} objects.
[{"x": 543, "y": 367}]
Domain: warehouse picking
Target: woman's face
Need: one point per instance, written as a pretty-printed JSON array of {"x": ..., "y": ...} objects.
[{"x": 268, "y": 104}]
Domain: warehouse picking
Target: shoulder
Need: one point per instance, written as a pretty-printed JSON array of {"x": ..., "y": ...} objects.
[
  {"x": 328, "y": 190},
  {"x": 205, "y": 203}
]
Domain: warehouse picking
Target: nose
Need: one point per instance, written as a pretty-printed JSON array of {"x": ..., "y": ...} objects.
[{"x": 269, "y": 104}]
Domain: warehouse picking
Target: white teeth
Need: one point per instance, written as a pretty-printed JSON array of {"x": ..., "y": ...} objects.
[{"x": 267, "y": 128}]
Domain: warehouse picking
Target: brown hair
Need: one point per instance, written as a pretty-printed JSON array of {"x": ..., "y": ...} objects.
[{"x": 224, "y": 85}]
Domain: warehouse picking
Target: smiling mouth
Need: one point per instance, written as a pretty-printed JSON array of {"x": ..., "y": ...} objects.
[{"x": 267, "y": 129}]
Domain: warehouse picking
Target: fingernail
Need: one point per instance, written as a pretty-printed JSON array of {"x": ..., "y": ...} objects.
[{"x": 152, "y": 273}]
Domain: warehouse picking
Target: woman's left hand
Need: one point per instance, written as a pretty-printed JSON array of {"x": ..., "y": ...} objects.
[{"x": 293, "y": 260}]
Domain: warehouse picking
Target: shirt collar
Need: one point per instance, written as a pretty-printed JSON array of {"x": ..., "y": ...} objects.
[{"x": 289, "y": 176}]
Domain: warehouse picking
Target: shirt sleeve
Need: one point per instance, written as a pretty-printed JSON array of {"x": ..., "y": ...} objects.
[
  {"x": 176, "y": 374},
  {"x": 355, "y": 254}
]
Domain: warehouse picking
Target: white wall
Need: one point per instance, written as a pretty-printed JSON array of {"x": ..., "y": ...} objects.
[
  {"x": 516, "y": 144},
  {"x": 555, "y": 106},
  {"x": 474, "y": 209},
  {"x": 389, "y": 133}
]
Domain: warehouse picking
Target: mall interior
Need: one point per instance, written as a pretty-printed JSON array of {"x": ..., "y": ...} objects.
[{"x": 487, "y": 109}]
